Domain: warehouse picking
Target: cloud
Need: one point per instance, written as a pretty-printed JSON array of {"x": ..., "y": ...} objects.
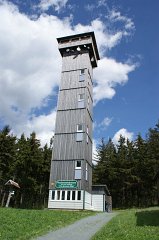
[
  {"x": 122, "y": 132},
  {"x": 116, "y": 16},
  {"x": 91, "y": 7},
  {"x": 108, "y": 75},
  {"x": 30, "y": 65},
  {"x": 43, "y": 125},
  {"x": 105, "y": 123},
  {"x": 44, "y": 5}
]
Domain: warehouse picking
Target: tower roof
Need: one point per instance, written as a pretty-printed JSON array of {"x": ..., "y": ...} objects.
[{"x": 87, "y": 38}]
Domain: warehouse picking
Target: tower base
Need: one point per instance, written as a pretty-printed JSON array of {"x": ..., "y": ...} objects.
[{"x": 77, "y": 200}]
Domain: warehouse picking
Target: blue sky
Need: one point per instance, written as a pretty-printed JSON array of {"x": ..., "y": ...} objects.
[{"x": 126, "y": 82}]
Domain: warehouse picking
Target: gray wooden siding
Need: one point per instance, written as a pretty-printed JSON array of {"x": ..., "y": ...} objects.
[
  {"x": 66, "y": 121},
  {"x": 75, "y": 62},
  {"x": 66, "y": 147},
  {"x": 68, "y": 99},
  {"x": 65, "y": 170}
]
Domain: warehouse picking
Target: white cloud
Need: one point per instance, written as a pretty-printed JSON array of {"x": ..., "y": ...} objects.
[
  {"x": 116, "y": 16},
  {"x": 108, "y": 74},
  {"x": 43, "y": 125},
  {"x": 30, "y": 65},
  {"x": 44, "y": 5},
  {"x": 102, "y": 3},
  {"x": 122, "y": 132},
  {"x": 105, "y": 123}
]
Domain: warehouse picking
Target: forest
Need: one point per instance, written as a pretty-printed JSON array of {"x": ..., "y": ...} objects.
[{"x": 128, "y": 169}]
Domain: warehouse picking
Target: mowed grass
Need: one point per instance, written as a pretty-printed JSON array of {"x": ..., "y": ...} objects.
[
  {"x": 23, "y": 224},
  {"x": 132, "y": 225}
]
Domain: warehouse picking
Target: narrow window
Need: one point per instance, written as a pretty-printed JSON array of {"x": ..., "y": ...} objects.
[
  {"x": 63, "y": 195},
  {"x": 58, "y": 195},
  {"x": 88, "y": 100},
  {"x": 82, "y": 71},
  {"x": 79, "y": 136},
  {"x": 79, "y": 128},
  {"x": 53, "y": 195},
  {"x": 81, "y": 100},
  {"x": 73, "y": 195},
  {"x": 87, "y": 135},
  {"x": 68, "y": 195},
  {"x": 79, "y": 195},
  {"x": 78, "y": 165},
  {"x": 82, "y": 75},
  {"x": 86, "y": 171}
]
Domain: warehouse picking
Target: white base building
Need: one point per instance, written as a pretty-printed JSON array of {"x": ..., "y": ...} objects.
[{"x": 99, "y": 200}]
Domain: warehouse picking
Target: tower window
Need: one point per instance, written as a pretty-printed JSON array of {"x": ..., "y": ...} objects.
[
  {"x": 87, "y": 135},
  {"x": 79, "y": 136},
  {"x": 82, "y": 75},
  {"x": 81, "y": 97},
  {"x": 88, "y": 100},
  {"x": 82, "y": 71},
  {"x": 78, "y": 164},
  {"x": 86, "y": 171},
  {"x": 81, "y": 100},
  {"x": 79, "y": 128}
]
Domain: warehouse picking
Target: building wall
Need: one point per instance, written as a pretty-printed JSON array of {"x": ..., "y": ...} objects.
[
  {"x": 66, "y": 148},
  {"x": 65, "y": 204},
  {"x": 87, "y": 201},
  {"x": 98, "y": 202}
]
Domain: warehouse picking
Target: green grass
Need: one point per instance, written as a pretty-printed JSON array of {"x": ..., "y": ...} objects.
[
  {"x": 132, "y": 225},
  {"x": 23, "y": 224}
]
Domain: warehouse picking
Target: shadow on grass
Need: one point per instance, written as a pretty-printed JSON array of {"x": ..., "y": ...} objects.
[{"x": 147, "y": 218}]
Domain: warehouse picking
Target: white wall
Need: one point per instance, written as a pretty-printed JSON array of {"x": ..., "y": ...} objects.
[
  {"x": 88, "y": 201},
  {"x": 97, "y": 202},
  {"x": 65, "y": 204}
]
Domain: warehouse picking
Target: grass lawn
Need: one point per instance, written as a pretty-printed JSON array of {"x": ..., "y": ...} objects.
[
  {"x": 132, "y": 225},
  {"x": 25, "y": 224}
]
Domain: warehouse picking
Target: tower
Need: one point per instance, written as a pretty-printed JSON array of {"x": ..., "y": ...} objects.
[{"x": 71, "y": 166}]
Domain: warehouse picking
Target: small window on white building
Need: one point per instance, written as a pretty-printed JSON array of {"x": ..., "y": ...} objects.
[
  {"x": 82, "y": 75},
  {"x": 58, "y": 195},
  {"x": 79, "y": 136},
  {"x": 81, "y": 100},
  {"x": 63, "y": 195},
  {"x": 73, "y": 195},
  {"x": 68, "y": 195},
  {"x": 79, "y": 195},
  {"x": 53, "y": 195}
]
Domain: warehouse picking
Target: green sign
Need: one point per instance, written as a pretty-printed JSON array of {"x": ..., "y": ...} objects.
[{"x": 66, "y": 184}]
